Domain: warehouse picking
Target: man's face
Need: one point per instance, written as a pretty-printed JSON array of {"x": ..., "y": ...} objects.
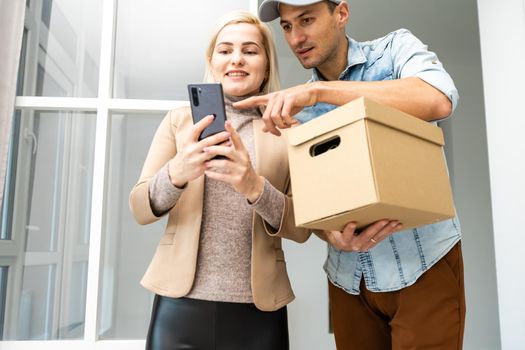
[{"x": 312, "y": 32}]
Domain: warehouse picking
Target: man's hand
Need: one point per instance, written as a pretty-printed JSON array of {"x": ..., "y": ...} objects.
[
  {"x": 351, "y": 241},
  {"x": 282, "y": 105}
]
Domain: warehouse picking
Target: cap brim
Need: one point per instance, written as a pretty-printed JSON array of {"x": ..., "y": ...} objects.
[{"x": 269, "y": 10}]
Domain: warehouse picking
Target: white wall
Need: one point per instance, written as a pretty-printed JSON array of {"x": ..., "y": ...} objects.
[
  {"x": 502, "y": 32},
  {"x": 308, "y": 315}
]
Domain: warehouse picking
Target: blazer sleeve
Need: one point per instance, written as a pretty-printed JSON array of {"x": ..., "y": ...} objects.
[
  {"x": 162, "y": 149},
  {"x": 287, "y": 228}
]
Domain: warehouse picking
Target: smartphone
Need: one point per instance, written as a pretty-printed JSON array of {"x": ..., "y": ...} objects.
[{"x": 207, "y": 99}]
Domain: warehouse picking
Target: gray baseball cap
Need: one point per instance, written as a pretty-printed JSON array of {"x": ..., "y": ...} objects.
[{"x": 269, "y": 9}]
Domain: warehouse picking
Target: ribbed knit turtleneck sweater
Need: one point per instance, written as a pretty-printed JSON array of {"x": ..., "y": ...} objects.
[{"x": 224, "y": 257}]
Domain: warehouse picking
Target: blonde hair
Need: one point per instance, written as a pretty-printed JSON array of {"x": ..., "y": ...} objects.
[{"x": 272, "y": 82}]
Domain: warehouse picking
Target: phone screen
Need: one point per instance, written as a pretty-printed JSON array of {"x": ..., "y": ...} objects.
[{"x": 207, "y": 99}]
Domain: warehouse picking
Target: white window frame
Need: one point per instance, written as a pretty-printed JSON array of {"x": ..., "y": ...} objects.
[{"x": 103, "y": 105}]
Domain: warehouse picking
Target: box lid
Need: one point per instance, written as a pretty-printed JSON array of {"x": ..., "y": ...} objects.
[{"x": 364, "y": 108}]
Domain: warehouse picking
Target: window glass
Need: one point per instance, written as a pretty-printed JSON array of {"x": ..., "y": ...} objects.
[
  {"x": 61, "y": 48},
  {"x": 6, "y": 206},
  {"x": 3, "y": 292},
  {"x": 22, "y": 65},
  {"x": 161, "y": 44},
  {"x": 37, "y": 300},
  {"x": 49, "y": 224},
  {"x": 124, "y": 308},
  {"x": 60, "y": 180}
]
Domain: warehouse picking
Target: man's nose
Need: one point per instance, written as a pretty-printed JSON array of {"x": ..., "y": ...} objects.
[{"x": 296, "y": 37}]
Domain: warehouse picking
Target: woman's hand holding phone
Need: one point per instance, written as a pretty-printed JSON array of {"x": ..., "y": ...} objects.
[
  {"x": 189, "y": 162},
  {"x": 236, "y": 168}
]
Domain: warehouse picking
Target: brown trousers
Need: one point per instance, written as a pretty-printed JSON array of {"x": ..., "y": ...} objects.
[{"x": 429, "y": 314}]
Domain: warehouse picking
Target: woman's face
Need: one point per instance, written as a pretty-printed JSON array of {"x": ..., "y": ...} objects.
[{"x": 239, "y": 60}]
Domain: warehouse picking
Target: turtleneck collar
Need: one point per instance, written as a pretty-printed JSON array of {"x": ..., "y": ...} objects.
[{"x": 230, "y": 99}]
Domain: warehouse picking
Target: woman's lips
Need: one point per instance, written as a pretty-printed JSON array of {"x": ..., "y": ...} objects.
[{"x": 235, "y": 74}]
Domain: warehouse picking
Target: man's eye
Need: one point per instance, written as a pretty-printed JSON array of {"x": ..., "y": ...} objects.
[
  {"x": 286, "y": 27},
  {"x": 308, "y": 20}
]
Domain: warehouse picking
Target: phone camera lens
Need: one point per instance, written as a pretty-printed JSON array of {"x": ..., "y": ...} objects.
[{"x": 195, "y": 96}]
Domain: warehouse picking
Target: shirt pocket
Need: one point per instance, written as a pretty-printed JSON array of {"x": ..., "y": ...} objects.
[
  {"x": 380, "y": 66},
  {"x": 379, "y": 72}
]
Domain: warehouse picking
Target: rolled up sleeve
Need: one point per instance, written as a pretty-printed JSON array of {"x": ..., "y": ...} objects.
[{"x": 413, "y": 59}]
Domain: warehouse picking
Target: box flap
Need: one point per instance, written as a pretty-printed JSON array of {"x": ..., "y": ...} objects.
[
  {"x": 362, "y": 108},
  {"x": 402, "y": 121},
  {"x": 332, "y": 120}
]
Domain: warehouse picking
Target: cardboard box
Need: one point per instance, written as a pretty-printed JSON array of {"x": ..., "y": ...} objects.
[{"x": 365, "y": 162}]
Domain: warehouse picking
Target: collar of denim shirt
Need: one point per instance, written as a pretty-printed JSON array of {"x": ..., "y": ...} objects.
[{"x": 355, "y": 56}]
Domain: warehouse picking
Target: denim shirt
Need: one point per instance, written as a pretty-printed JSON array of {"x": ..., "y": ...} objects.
[{"x": 399, "y": 260}]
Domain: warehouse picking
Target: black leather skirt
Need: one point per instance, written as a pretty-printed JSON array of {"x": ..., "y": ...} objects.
[{"x": 191, "y": 324}]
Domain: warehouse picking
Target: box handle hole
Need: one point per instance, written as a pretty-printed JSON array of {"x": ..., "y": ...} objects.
[{"x": 324, "y": 146}]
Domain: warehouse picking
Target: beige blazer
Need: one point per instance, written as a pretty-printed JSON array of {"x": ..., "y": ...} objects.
[{"x": 172, "y": 269}]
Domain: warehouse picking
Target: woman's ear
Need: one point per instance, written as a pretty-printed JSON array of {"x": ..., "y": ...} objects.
[{"x": 209, "y": 68}]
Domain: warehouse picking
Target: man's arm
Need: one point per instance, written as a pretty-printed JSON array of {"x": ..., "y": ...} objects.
[{"x": 411, "y": 95}]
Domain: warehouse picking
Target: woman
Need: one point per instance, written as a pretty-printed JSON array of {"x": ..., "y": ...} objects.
[{"x": 219, "y": 272}]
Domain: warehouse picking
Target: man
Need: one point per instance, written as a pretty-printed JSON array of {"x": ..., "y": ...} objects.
[{"x": 389, "y": 289}]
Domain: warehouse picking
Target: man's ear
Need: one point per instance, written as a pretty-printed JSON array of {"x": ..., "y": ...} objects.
[{"x": 343, "y": 12}]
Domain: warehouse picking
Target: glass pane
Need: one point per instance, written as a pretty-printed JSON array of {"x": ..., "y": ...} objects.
[
  {"x": 46, "y": 178},
  {"x": 6, "y": 207},
  {"x": 61, "y": 48},
  {"x": 124, "y": 309},
  {"x": 22, "y": 65},
  {"x": 50, "y": 220},
  {"x": 37, "y": 303},
  {"x": 3, "y": 292},
  {"x": 74, "y": 313},
  {"x": 60, "y": 168},
  {"x": 47, "y": 311},
  {"x": 160, "y": 45}
]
